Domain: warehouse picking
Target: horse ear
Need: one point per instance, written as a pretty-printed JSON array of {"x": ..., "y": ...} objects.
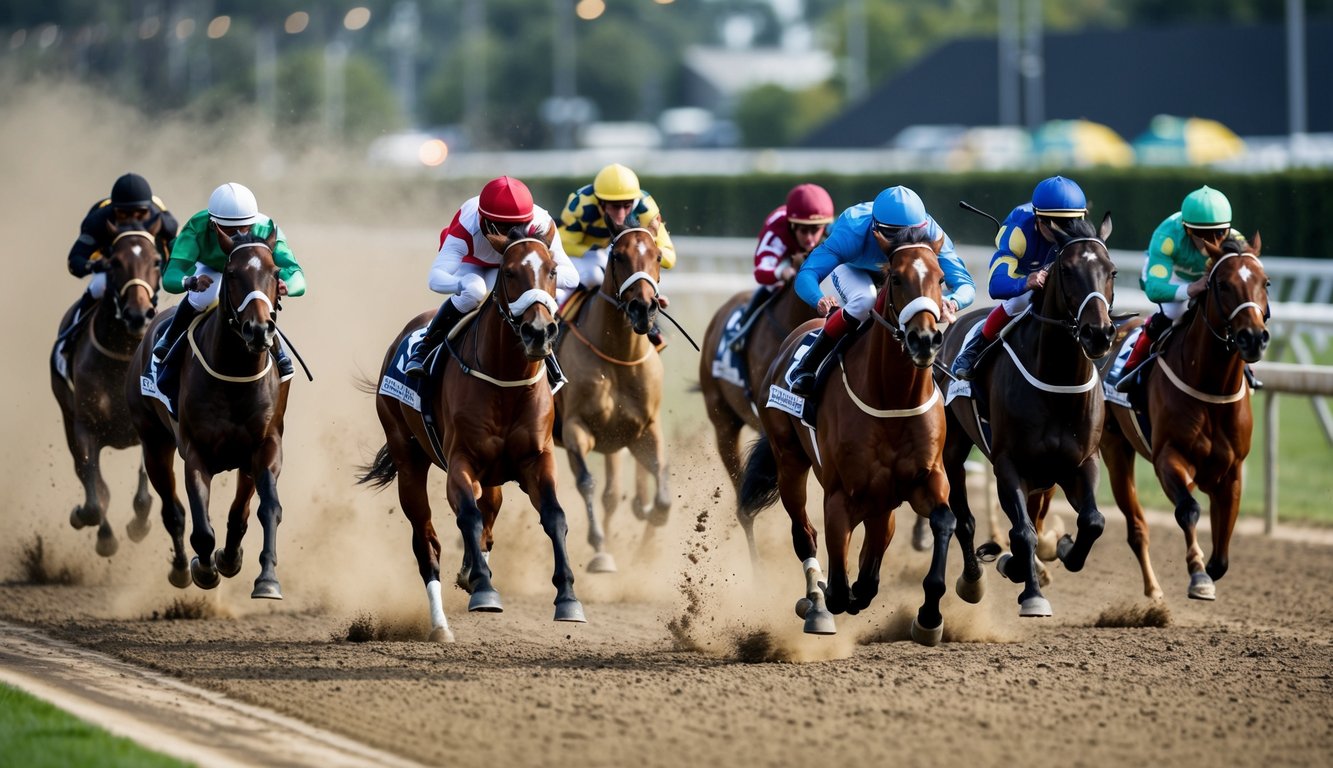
[
  {"x": 546, "y": 235},
  {"x": 654, "y": 225},
  {"x": 224, "y": 240},
  {"x": 884, "y": 244},
  {"x": 938, "y": 245},
  {"x": 111, "y": 228},
  {"x": 1256, "y": 244},
  {"x": 1205, "y": 247},
  {"x": 154, "y": 226},
  {"x": 498, "y": 242},
  {"x": 1050, "y": 227},
  {"x": 272, "y": 239},
  {"x": 1104, "y": 231}
]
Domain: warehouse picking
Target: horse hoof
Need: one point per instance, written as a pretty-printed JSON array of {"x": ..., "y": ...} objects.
[
  {"x": 441, "y": 635},
  {"x": 987, "y": 552},
  {"x": 138, "y": 528},
  {"x": 803, "y": 607},
  {"x": 486, "y": 601},
  {"x": 1035, "y": 608},
  {"x": 923, "y": 636},
  {"x": 971, "y": 591},
  {"x": 226, "y": 567},
  {"x": 570, "y": 610},
  {"x": 266, "y": 589},
  {"x": 204, "y": 578},
  {"x": 602, "y": 562},
  {"x": 179, "y": 578},
  {"x": 1202, "y": 587},
  {"x": 77, "y": 522},
  {"x": 818, "y": 621},
  {"x": 1002, "y": 563},
  {"x": 107, "y": 544}
]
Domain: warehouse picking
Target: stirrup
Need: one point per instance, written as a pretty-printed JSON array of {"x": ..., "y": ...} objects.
[
  {"x": 1252, "y": 380},
  {"x": 416, "y": 366}
]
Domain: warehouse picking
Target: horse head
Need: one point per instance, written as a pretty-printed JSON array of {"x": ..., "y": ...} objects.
[
  {"x": 525, "y": 288},
  {"x": 249, "y": 294},
  {"x": 134, "y": 273},
  {"x": 1083, "y": 286},
  {"x": 1237, "y": 295},
  {"x": 633, "y": 267},
  {"x": 913, "y": 291}
]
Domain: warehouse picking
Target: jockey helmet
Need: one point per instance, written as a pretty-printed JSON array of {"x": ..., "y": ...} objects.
[
  {"x": 1206, "y": 208},
  {"x": 233, "y": 205},
  {"x": 506, "y": 199},
  {"x": 1060, "y": 198},
  {"x": 809, "y": 204},
  {"x": 617, "y": 183},
  {"x": 131, "y": 191},
  {"x": 898, "y": 207}
]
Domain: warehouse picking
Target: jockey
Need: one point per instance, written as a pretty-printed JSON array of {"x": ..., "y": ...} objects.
[
  {"x": 596, "y": 212},
  {"x": 853, "y": 257},
  {"x": 131, "y": 200},
  {"x": 1176, "y": 271},
  {"x": 197, "y": 262},
  {"x": 1025, "y": 247},
  {"x": 792, "y": 229},
  {"x": 466, "y": 262}
]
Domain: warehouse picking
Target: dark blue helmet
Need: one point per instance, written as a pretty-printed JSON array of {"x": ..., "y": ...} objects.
[{"x": 1059, "y": 197}]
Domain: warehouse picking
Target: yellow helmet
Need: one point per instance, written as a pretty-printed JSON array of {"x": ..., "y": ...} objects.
[{"x": 616, "y": 182}]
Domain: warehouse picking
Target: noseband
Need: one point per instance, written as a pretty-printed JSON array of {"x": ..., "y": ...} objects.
[
  {"x": 511, "y": 311},
  {"x": 901, "y": 317},
  {"x": 233, "y": 313},
  {"x": 1228, "y": 334},
  {"x": 619, "y": 301},
  {"x": 1071, "y": 322}
]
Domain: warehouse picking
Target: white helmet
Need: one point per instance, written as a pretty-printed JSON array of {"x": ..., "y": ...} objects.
[{"x": 233, "y": 205}]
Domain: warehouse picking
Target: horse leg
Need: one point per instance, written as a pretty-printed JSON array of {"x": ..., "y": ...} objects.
[
  {"x": 87, "y": 465},
  {"x": 878, "y": 533},
  {"x": 541, "y": 490},
  {"x": 578, "y": 444},
  {"x": 1224, "y": 505},
  {"x": 971, "y": 583},
  {"x": 1118, "y": 454},
  {"x": 230, "y": 557},
  {"x": 413, "y": 467},
  {"x": 488, "y": 502},
  {"x": 650, "y": 452},
  {"x": 838, "y": 537},
  {"x": 1174, "y": 473},
  {"x": 197, "y": 488},
  {"x": 928, "y": 626},
  {"x": 793, "y": 469},
  {"x": 143, "y": 504},
  {"x": 463, "y": 493},
  {"x": 1081, "y": 490},
  {"x": 270, "y": 516},
  {"x": 159, "y": 451},
  {"x": 1021, "y": 565}
]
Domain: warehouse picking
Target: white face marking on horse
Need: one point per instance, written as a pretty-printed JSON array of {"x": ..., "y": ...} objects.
[
  {"x": 1089, "y": 254},
  {"x": 254, "y": 263},
  {"x": 136, "y": 250},
  {"x": 1245, "y": 274},
  {"x": 534, "y": 262},
  {"x": 920, "y": 267}
]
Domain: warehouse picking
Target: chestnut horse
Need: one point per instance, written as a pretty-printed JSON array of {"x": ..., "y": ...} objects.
[
  {"x": 613, "y": 399},
  {"x": 229, "y": 415},
  {"x": 1199, "y": 409},
  {"x": 731, "y": 407},
  {"x": 495, "y": 412},
  {"x": 91, "y": 400},
  {"x": 1044, "y": 402},
  {"x": 878, "y": 442}
]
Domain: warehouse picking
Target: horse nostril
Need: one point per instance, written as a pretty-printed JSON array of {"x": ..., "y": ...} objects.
[{"x": 936, "y": 339}]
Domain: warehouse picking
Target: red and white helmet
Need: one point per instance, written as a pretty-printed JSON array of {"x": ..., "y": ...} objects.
[
  {"x": 809, "y": 204},
  {"x": 506, "y": 199}
]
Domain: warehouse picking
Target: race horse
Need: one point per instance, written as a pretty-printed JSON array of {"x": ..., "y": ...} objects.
[
  {"x": 493, "y": 407},
  {"x": 877, "y": 441},
  {"x": 228, "y": 415},
  {"x": 1037, "y": 409},
  {"x": 1198, "y": 406},
  {"x": 732, "y": 405},
  {"x": 613, "y": 399},
  {"x": 96, "y": 358}
]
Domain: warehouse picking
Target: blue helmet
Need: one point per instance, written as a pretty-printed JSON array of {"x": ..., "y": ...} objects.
[
  {"x": 898, "y": 207},
  {"x": 1060, "y": 198}
]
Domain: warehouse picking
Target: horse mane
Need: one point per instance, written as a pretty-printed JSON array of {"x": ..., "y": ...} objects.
[
  {"x": 1073, "y": 229},
  {"x": 246, "y": 238},
  {"x": 907, "y": 236},
  {"x": 1233, "y": 247}
]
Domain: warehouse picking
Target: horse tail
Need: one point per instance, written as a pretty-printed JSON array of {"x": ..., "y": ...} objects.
[
  {"x": 380, "y": 472},
  {"x": 759, "y": 481},
  {"x": 364, "y": 384}
]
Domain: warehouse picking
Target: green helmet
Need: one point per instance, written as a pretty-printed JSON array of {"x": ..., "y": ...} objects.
[{"x": 1206, "y": 208}]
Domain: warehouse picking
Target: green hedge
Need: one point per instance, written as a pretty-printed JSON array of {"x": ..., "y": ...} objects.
[{"x": 1290, "y": 208}]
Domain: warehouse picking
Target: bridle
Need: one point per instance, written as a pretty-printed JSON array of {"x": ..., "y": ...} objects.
[
  {"x": 118, "y": 298},
  {"x": 1070, "y": 323},
  {"x": 1228, "y": 334},
  {"x": 511, "y": 311},
  {"x": 897, "y": 325},
  {"x": 232, "y": 314},
  {"x": 619, "y": 302}
]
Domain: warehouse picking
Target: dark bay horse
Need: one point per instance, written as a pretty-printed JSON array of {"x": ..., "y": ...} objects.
[
  {"x": 229, "y": 415},
  {"x": 91, "y": 400},
  {"x": 495, "y": 412},
  {"x": 1042, "y": 396},
  {"x": 1199, "y": 409},
  {"x": 613, "y": 399},
  {"x": 731, "y": 407},
  {"x": 878, "y": 442}
]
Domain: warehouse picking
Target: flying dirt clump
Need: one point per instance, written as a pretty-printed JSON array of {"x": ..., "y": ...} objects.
[
  {"x": 37, "y": 565},
  {"x": 1121, "y": 616}
]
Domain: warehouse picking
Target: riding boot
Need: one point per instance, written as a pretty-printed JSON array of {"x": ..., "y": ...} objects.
[
  {"x": 1253, "y": 380},
  {"x": 803, "y": 378},
  {"x": 743, "y": 323},
  {"x": 185, "y": 312},
  {"x": 440, "y": 325},
  {"x": 82, "y": 311},
  {"x": 285, "y": 367},
  {"x": 965, "y": 364},
  {"x": 1152, "y": 331},
  {"x": 655, "y": 335},
  {"x": 554, "y": 375}
]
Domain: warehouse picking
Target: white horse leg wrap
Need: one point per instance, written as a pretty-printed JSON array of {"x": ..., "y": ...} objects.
[{"x": 437, "y": 620}]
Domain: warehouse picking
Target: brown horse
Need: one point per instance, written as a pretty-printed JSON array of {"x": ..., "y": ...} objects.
[
  {"x": 1199, "y": 409},
  {"x": 878, "y": 442},
  {"x": 1043, "y": 399},
  {"x": 731, "y": 406},
  {"x": 614, "y": 396},
  {"x": 229, "y": 415},
  {"x": 89, "y": 394},
  {"x": 494, "y": 409}
]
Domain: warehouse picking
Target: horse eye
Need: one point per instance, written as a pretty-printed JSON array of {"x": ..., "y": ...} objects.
[{"x": 1115, "y": 273}]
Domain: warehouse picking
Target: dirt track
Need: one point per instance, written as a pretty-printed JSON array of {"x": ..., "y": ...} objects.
[{"x": 1247, "y": 680}]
